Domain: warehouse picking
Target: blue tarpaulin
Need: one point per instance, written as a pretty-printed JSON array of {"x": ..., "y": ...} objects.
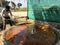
[{"x": 44, "y": 10}]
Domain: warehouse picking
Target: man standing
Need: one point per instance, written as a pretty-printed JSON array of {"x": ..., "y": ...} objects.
[{"x": 6, "y": 16}]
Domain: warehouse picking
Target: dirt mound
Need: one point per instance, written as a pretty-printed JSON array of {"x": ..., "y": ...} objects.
[{"x": 43, "y": 36}]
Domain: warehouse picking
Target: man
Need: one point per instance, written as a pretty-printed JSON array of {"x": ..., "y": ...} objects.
[{"x": 6, "y": 16}]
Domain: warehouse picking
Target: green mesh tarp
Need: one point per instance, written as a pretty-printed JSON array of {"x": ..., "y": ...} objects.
[{"x": 44, "y": 10}]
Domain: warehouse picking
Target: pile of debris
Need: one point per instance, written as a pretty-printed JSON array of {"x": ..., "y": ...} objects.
[{"x": 42, "y": 35}]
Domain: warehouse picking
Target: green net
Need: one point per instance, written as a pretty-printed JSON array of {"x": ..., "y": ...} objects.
[{"x": 44, "y": 10}]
